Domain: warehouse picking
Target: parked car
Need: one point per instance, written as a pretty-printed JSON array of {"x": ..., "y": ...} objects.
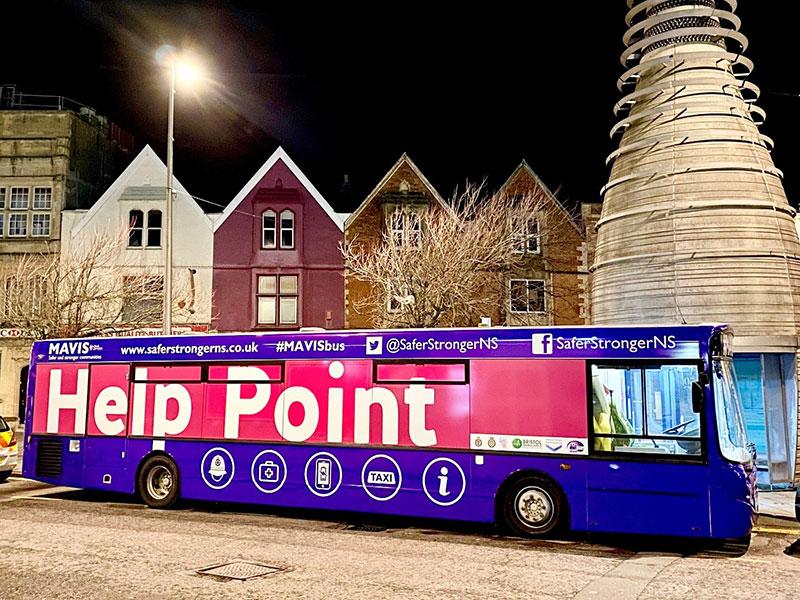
[{"x": 8, "y": 450}]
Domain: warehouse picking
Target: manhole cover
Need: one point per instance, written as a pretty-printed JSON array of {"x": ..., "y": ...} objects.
[{"x": 241, "y": 570}]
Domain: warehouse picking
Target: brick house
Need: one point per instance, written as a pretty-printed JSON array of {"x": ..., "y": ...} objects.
[
  {"x": 393, "y": 207},
  {"x": 277, "y": 262},
  {"x": 549, "y": 289}
]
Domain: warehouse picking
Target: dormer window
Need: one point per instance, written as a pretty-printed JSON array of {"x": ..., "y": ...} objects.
[
  {"x": 268, "y": 229},
  {"x": 287, "y": 229}
]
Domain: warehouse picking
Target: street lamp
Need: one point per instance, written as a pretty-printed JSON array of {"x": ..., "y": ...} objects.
[{"x": 187, "y": 70}]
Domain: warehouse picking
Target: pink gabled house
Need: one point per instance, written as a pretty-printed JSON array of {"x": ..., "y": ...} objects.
[{"x": 277, "y": 263}]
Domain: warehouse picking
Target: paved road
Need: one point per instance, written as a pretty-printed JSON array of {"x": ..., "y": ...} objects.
[{"x": 60, "y": 543}]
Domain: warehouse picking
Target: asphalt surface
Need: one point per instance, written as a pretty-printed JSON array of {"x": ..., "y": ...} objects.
[{"x": 62, "y": 543}]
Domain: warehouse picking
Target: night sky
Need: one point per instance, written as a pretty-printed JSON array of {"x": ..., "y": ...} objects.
[{"x": 467, "y": 93}]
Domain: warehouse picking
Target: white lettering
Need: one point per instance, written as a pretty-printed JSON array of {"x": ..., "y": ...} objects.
[
  {"x": 161, "y": 424},
  {"x": 110, "y": 401},
  {"x": 303, "y": 431},
  {"x": 388, "y": 403},
  {"x": 139, "y": 400},
  {"x": 418, "y": 397},
  {"x": 57, "y": 401},
  {"x": 235, "y": 405}
]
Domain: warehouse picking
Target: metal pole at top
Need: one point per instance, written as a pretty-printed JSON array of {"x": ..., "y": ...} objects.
[{"x": 168, "y": 212}]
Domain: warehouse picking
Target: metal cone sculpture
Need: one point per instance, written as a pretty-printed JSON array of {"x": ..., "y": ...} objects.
[{"x": 695, "y": 223}]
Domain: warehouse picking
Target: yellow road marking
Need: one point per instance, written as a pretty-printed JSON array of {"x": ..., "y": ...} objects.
[{"x": 783, "y": 530}]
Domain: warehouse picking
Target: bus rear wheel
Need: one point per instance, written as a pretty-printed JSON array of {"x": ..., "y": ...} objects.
[
  {"x": 533, "y": 506},
  {"x": 158, "y": 482}
]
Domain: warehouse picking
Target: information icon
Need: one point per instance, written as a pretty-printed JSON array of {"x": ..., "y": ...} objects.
[
  {"x": 323, "y": 474},
  {"x": 268, "y": 471},
  {"x": 217, "y": 468},
  {"x": 443, "y": 481}
]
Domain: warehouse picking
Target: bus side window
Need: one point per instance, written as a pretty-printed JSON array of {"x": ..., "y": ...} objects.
[{"x": 645, "y": 409}]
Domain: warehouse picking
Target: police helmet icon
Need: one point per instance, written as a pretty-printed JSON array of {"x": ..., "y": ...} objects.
[{"x": 217, "y": 469}]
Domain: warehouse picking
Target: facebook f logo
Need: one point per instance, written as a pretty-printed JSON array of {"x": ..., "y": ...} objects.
[{"x": 542, "y": 343}]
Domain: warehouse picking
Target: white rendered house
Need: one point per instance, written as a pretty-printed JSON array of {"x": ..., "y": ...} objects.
[{"x": 131, "y": 213}]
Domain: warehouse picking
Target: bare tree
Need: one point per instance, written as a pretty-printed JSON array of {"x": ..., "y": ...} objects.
[
  {"x": 87, "y": 290},
  {"x": 455, "y": 267}
]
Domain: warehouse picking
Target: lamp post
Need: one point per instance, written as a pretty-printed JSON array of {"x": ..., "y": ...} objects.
[
  {"x": 168, "y": 211},
  {"x": 186, "y": 68}
]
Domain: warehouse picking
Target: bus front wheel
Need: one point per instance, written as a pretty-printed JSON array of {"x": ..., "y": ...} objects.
[
  {"x": 533, "y": 506},
  {"x": 158, "y": 482}
]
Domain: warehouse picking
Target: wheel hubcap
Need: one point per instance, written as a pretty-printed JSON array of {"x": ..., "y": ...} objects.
[
  {"x": 159, "y": 482},
  {"x": 534, "y": 506}
]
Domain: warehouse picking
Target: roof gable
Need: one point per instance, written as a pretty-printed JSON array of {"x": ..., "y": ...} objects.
[
  {"x": 132, "y": 177},
  {"x": 279, "y": 154},
  {"x": 404, "y": 159},
  {"x": 524, "y": 168}
]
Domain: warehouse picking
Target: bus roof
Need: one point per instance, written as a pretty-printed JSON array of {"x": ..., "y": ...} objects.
[{"x": 588, "y": 342}]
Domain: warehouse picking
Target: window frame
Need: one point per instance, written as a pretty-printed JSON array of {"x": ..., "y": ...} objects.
[
  {"x": 3, "y": 197},
  {"x": 544, "y": 310},
  {"x": 2, "y": 225},
  {"x": 520, "y": 228},
  {"x": 278, "y": 295},
  {"x": 274, "y": 229},
  {"x": 18, "y": 235},
  {"x": 290, "y": 212},
  {"x": 27, "y": 198},
  {"x": 49, "y": 224},
  {"x": 38, "y": 188},
  {"x": 409, "y": 232},
  {"x": 632, "y": 456},
  {"x": 148, "y": 228},
  {"x": 132, "y": 228}
]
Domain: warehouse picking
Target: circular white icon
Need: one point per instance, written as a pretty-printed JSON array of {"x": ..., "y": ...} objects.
[
  {"x": 444, "y": 478},
  {"x": 268, "y": 471},
  {"x": 217, "y": 469},
  {"x": 383, "y": 479},
  {"x": 326, "y": 478}
]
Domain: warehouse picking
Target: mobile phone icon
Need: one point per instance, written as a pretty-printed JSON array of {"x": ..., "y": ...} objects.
[{"x": 322, "y": 478}]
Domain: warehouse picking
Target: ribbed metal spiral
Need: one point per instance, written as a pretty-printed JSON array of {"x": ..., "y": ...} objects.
[{"x": 695, "y": 223}]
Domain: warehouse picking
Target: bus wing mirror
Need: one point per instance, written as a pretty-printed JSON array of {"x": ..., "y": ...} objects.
[{"x": 698, "y": 395}]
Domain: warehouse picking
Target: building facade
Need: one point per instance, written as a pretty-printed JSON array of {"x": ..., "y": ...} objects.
[
  {"x": 546, "y": 289},
  {"x": 393, "y": 208},
  {"x": 277, "y": 261},
  {"x": 54, "y": 155},
  {"x": 130, "y": 214},
  {"x": 695, "y": 225}
]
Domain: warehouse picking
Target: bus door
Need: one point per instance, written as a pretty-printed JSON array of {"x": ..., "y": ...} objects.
[{"x": 650, "y": 473}]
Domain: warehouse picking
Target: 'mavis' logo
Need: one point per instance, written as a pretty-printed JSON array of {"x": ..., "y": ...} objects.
[
  {"x": 542, "y": 343},
  {"x": 71, "y": 348}
]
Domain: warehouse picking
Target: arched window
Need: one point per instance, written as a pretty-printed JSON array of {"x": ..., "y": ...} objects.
[
  {"x": 153, "y": 228},
  {"x": 135, "y": 228},
  {"x": 287, "y": 229},
  {"x": 268, "y": 229}
]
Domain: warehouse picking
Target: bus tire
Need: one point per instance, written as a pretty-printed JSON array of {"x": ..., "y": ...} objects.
[
  {"x": 533, "y": 506},
  {"x": 159, "y": 482}
]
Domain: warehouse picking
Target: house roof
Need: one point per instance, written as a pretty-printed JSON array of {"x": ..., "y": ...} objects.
[
  {"x": 279, "y": 154},
  {"x": 525, "y": 167},
  {"x": 127, "y": 179},
  {"x": 404, "y": 159}
]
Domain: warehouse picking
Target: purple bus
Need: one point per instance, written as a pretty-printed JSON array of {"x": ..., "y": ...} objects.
[{"x": 627, "y": 430}]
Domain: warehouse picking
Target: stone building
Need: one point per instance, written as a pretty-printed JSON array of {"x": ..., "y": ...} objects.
[
  {"x": 393, "y": 206},
  {"x": 695, "y": 225},
  {"x": 55, "y": 154}
]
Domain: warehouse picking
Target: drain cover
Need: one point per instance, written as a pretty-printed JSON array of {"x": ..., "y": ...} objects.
[
  {"x": 370, "y": 528},
  {"x": 241, "y": 570}
]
